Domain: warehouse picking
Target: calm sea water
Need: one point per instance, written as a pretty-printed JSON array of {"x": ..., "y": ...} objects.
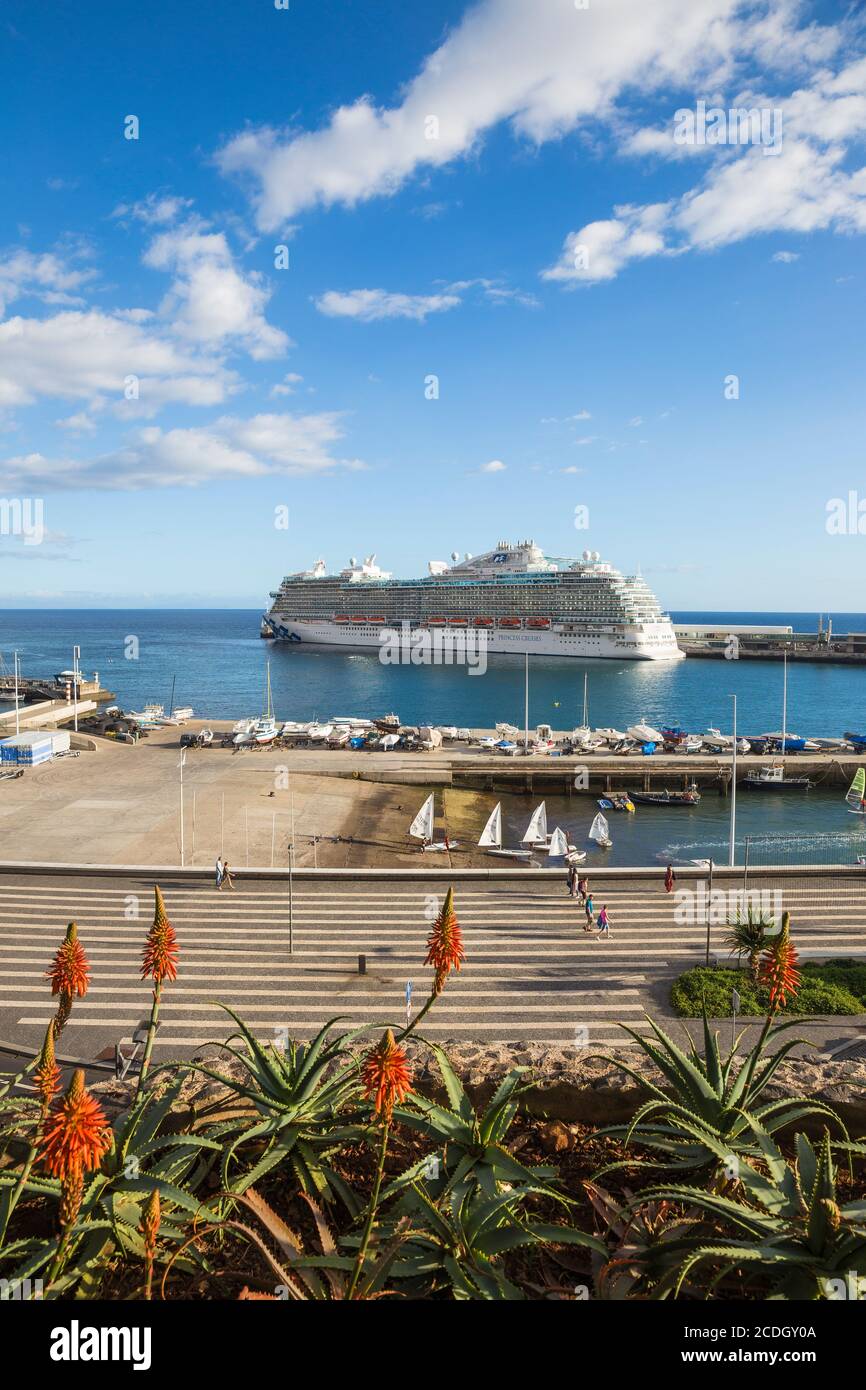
[{"x": 218, "y": 665}]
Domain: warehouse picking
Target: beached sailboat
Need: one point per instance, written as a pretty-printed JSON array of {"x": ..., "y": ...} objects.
[
  {"x": 773, "y": 778},
  {"x": 422, "y": 828},
  {"x": 491, "y": 838},
  {"x": 856, "y": 794},
  {"x": 598, "y": 832}
]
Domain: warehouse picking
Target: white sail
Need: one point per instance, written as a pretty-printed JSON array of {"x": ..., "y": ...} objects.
[
  {"x": 558, "y": 843},
  {"x": 536, "y": 831},
  {"x": 598, "y": 831},
  {"x": 491, "y": 835},
  {"x": 422, "y": 826}
]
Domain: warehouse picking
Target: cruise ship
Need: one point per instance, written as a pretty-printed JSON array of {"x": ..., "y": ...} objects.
[{"x": 520, "y": 598}]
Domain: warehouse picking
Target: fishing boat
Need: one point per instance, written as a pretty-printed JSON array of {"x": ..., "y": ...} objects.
[
  {"x": 183, "y": 714},
  {"x": 599, "y": 832},
  {"x": 422, "y": 829},
  {"x": 491, "y": 838},
  {"x": 691, "y": 797},
  {"x": 856, "y": 796},
  {"x": 858, "y": 740},
  {"x": 773, "y": 779},
  {"x": 389, "y": 723}
]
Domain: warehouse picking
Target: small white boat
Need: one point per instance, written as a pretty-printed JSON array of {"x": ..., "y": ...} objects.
[
  {"x": 558, "y": 847},
  {"x": 487, "y": 742},
  {"x": 610, "y": 735},
  {"x": 291, "y": 729},
  {"x": 151, "y": 712},
  {"x": 536, "y": 831},
  {"x": 422, "y": 829},
  {"x": 491, "y": 838},
  {"x": 507, "y": 731},
  {"x": 206, "y": 736},
  {"x": 183, "y": 714},
  {"x": 509, "y": 749},
  {"x": 692, "y": 743},
  {"x": 349, "y": 721},
  {"x": 598, "y": 832},
  {"x": 318, "y": 733},
  {"x": 243, "y": 726},
  {"x": 644, "y": 733},
  {"x": 264, "y": 730}
]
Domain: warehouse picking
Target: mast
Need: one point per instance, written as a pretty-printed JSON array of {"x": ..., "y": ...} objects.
[
  {"x": 585, "y": 706},
  {"x": 784, "y": 706},
  {"x": 526, "y": 707}
]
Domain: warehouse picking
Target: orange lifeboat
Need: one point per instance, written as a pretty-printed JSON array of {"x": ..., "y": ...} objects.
[
  {"x": 358, "y": 618},
  {"x": 509, "y": 622},
  {"x": 376, "y": 618},
  {"x": 483, "y": 622},
  {"x": 341, "y": 617},
  {"x": 538, "y": 622},
  {"x": 458, "y": 622},
  {"x": 436, "y": 622}
]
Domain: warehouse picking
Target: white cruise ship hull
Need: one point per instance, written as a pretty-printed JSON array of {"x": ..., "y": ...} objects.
[{"x": 650, "y": 642}]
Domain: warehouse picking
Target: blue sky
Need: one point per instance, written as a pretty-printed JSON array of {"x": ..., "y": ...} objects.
[{"x": 579, "y": 280}]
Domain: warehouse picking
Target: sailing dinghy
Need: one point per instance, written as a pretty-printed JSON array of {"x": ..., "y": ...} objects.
[
  {"x": 491, "y": 838},
  {"x": 856, "y": 796},
  {"x": 598, "y": 832},
  {"x": 422, "y": 829},
  {"x": 536, "y": 831}
]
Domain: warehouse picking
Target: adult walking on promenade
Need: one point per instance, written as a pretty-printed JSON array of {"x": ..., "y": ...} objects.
[
  {"x": 226, "y": 878},
  {"x": 582, "y": 887},
  {"x": 670, "y": 878},
  {"x": 589, "y": 910},
  {"x": 219, "y": 871},
  {"x": 571, "y": 880},
  {"x": 603, "y": 923}
]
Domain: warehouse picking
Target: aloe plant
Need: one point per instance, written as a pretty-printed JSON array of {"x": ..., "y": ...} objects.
[
  {"x": 455, "y": 1243},
  {"x": 470, "y": 1145},
  {"x": 302, "y": 1095},
  {"x": 703, "y": 1119},
  {"x": 790, "y": 1235}
]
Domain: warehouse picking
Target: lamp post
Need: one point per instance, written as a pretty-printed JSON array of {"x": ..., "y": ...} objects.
[
  {"x": 291, "y": 871},
  {"x": 732, "y": 851},
  {"x": 17, "y": 717},
  {"x": 76, "y": 657},
  {"x": 526, "y": 706},
  {"x": 180, "y": 765}
]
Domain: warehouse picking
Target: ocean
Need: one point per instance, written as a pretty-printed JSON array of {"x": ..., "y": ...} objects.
[{"x": 217, "y": 663}]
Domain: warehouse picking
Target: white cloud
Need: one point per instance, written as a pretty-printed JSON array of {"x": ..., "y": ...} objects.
[
  {"x": 286, "y": 387},
  {"x": 80, "y": 423},
  {"x": 494, "y": 466},
  {"x": 155, "y": 209},
  {"x": 210, "y": 301},
  {"x": 230, "y": 448},
  {"x": 89, "y": 355},
  {"x": 785, "y": 257},
  {"x": 544, "y": 67},
  {"x": 369, "y": 306},
  {"x": 806, "y": 184},
  {"x": 51, "y": 277}
]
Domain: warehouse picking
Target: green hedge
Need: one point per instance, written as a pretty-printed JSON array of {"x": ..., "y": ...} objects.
[{"x": 834, "y": 987}]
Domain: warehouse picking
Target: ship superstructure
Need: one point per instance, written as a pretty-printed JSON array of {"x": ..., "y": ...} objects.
[{"x": 522, "y": 599}]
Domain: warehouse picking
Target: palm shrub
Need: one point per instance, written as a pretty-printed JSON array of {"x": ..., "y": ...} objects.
[{"x": 748, "y": 936}]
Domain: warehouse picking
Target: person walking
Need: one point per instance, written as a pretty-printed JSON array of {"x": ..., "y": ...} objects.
[
  {"x": 226, "y": 878},
  {"x": 603, "y": 923},
  {"x": 670, "y": 878},
  {"x": 582, "y": 887},
  {"x": 571, "y": 880},
  {"x": 589, "y": 909},
  {"x": 219, "y": 871}
]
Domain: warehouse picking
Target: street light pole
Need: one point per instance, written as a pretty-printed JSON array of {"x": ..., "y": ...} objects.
[
  {"x": 180, "y": 765},
  {"x": 291, "y": 870},
  {"x": 526, "y": 707},
  {"x": 17, "y": 717},
  {"x": 733, "y": 853},
  {"x": 76, "y": 657}
]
